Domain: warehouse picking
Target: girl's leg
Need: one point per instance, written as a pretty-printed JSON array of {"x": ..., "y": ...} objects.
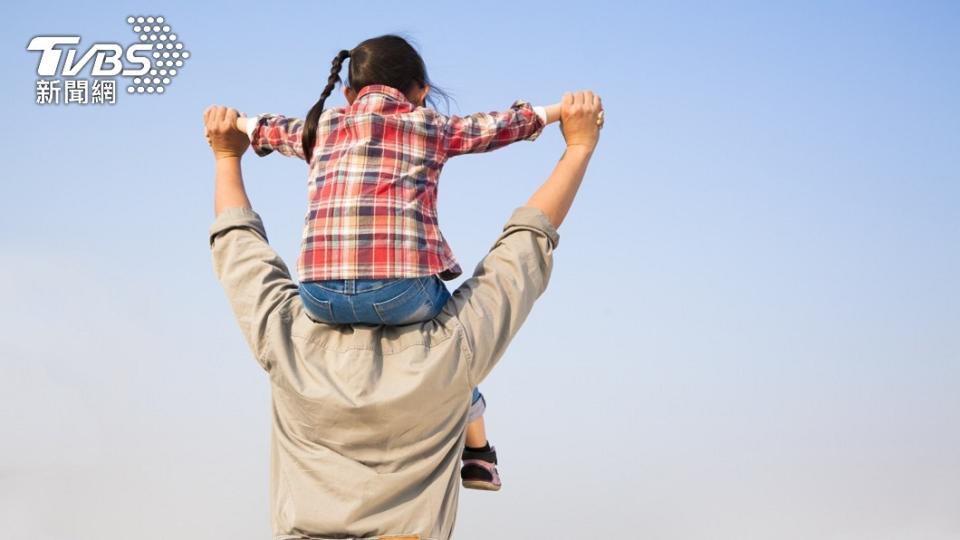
[
  {"x": 476, "y": 429},
  {"x": 479, "y": 469},
  {"x": 476, "y": 434}
]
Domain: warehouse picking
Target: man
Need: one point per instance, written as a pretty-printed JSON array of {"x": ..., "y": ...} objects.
[{"x": 368, "y": 421}]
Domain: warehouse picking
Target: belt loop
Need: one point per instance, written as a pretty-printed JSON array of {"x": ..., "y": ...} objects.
[{"x": 349, "y": 286}]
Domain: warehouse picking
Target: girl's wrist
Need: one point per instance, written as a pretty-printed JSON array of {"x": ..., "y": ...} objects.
[
  {"x": 552, "y": 112},
  {"x": 242, "y": 124}
]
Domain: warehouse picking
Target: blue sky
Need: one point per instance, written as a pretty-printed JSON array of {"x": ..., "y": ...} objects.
[{"x": 753, "y": 329}]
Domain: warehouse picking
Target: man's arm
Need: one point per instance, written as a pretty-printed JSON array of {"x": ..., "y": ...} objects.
[
  {"x": 493, "y": 304},
  {"x": 228, "y": 146},
  {"x": 255, "y": 278},
  {"x": 579, "y": 117}
]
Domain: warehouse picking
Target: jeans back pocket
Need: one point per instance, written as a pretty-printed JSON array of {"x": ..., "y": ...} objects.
[
  {"x": 318, "y": 309},
  {"x": 410, "y": 306}
]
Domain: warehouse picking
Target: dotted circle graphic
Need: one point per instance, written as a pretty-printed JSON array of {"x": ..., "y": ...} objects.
[{"x": 168, "y": 52}]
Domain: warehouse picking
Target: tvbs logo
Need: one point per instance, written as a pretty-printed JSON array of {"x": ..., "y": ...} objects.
[
  {"x": 149, "y": 64},
  {"x": 106, "y": 56}
]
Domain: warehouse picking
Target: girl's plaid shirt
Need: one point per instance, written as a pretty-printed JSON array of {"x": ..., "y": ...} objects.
[{"x": 373, "y": 181}]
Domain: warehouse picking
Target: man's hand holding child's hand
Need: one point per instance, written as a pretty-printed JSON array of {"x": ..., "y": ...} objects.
[{"x": 223, "y": 132}]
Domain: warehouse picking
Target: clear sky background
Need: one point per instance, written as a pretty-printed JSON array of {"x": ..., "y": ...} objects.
[{"x": 752, "y": 331}]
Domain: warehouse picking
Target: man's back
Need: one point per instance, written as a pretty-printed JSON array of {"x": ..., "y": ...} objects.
[{"x": 368, "y": 421}]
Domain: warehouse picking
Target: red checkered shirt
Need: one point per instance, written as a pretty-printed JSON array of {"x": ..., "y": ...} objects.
[{"x": 372, "y": 183}]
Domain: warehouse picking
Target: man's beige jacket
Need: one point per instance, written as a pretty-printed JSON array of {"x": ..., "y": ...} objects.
[{"x": 368, "y": 421}]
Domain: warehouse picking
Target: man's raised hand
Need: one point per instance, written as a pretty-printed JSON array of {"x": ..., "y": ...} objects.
[
  {"x": 222, "y": 134},
  {"x": 580, "y": 119}
]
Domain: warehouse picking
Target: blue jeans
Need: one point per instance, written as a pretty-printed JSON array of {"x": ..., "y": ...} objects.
[{"x": 392, "y": 302}]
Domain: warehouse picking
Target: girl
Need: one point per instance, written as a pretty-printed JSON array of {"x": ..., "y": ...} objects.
[{"x": 372, "y": 251}]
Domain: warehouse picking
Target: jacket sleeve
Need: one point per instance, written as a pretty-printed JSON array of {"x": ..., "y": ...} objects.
[
  {"x": 254, "y": 277},
  {"x": 493, "y": 304},
  {"x": 483, "y": 132},
  {"x": 277, "y": 132}
]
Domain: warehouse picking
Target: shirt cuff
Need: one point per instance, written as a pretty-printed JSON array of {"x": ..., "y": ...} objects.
[
  {"x": 531, "y": 219},
  {"x": 237, "y": 218},
  {"x": 542, "y": 113}
]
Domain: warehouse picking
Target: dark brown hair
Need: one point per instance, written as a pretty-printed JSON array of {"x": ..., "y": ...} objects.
[{"x": 388, "y": 60}]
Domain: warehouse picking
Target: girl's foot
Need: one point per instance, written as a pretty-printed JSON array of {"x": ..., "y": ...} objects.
[{"x": 479, "y": 469}]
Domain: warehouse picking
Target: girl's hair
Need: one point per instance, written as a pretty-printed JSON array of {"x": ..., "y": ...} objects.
[{"x": 388, "y": 60}]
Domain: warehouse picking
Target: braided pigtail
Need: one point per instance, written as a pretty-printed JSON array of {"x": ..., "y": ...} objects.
[{"x": 309, "y": 138}]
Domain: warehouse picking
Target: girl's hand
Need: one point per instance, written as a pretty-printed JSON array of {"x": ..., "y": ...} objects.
[{"x": 580, "y": 119}]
